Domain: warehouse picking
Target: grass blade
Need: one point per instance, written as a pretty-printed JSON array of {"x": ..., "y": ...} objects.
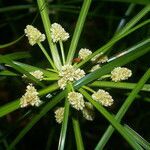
[
  {"x": 119, "y": 85},
  {"x": 64, "y": 127},
  {"x": 123, "y": 110},
  {"x": 145, "y": 144},
  {"x": 111, "y": 119},
  {"x": 77, "y": 132},
  {"x": 78, "y": 30}
]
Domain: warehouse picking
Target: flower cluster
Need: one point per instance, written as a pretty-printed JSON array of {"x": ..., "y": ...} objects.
[
  {"x": 30, "y": 97},
  {"x": 37, "y": 74},
  {"x": 58, "y": 33},
  {"x": 120, "y": 73},
  {"x": 103, "y": 97},
  {"x": 84, "y": 53},
  {"x": 69, "y": 73},
  {"x": 59, "y": 114},
  {"x": 34, "y": 35}
]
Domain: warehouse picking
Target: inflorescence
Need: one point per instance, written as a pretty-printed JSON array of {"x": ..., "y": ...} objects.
[{"x": 68, "y": 74}]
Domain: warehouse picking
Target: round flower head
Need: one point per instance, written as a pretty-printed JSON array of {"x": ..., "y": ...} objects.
[
  {"x": 84, "y": 53},
  {"x": 120, "y": 73},
  {"x": 76, "y": 100},
  {"x": 37, "y": 74},
  {"x": 34, "y": 35},
  {"x": 30, "y": 97},
  {"x": 58, "y": 33},
  {"x": 88, "y": 111},
  {"x": 95, "y": 68},
  {"x": 103, "y": 97},
  {"x": 69, "y": 73},
  {"x": 59, "y": 114}
]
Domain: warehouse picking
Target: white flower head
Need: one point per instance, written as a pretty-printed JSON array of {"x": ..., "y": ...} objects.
[
  {"x": 58, "y": 33},
  {"x": 37, "y": 74},
  {"x": 30, "y": 97},
  {"x": 103, "y": 97},
  {"x": 95, "y": 68},
  {"x": 120, "y": 73},
  {"x": 88, "y": 111},
  {"x": 76, "y": 100},
  {"x": 34, "y": 35},
  {"x": 69, "y": 73},
  {"x": 59, "y": 114},
  {"x": 84, "y": 53}
]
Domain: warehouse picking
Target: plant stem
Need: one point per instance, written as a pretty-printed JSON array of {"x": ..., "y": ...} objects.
[
  {"x": 46, "y": 55},
  {"x": 77, "y": 132},
  {"x": 62, "y": 51}
]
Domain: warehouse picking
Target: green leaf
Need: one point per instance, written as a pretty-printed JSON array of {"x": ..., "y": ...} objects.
[
  {"x": 119, "y": 85},
  {"x": 123, "y": 109},
  {"x": 77, "y": 132},
  {"x": 7, "y": 73},
  {"x": 29, "y": 68},
  {"x": 64, "y": 127},
  {"x": 12, "y": 106},
  {"x": 133, "y": 53},
  {"x": 111, "y": 119},
  {"x": 145, "y": 144},
  {"x": 78, "y": 30}
]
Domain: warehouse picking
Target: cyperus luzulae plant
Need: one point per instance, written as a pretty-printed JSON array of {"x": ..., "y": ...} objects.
[{"x": 78, "y": 88}]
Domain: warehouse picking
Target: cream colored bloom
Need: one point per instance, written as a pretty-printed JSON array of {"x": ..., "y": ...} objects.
[
  {"x": 37, "y": 74},
  {"x": 88, "y": 111},
  {"x": 30, "y": 97},
  {"x": 100, "y": 59},
  {"x": 95, "y": 68},
  {"x": 76, "y": 100},
  {"x": 69, "y": 73},
  {"x": 84, "y": 53},
  {"x": 120, "y": 73},
  {"x": 58, "y": 33},
  {"x": 34, "y": 35},
  {"x": 103, "y": 97},
  {"x": 59, "y": 114}
]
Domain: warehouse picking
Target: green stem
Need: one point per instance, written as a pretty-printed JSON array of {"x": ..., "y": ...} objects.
[
  {"x": 62, "y": 51},
  {"x": 123, "y": 110},
  {"x": 118, "y": 85},
  {"x": 78, "y": 30},
  {"x": 87, "y": 88},
  {"x": 46, "y": 55},
  {"x": 77, "y": 132},
  {"x": 47, "y": 25},
  {"x": 65, "y": 123}
]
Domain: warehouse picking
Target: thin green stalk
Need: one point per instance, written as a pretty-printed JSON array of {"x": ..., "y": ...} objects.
[
  {"x": 123, "y": 110},
  {"x": 77, "y": 132},
  {"x": 43, "y": 8},
  {"x": 64, "y": 123},
  {"x": 118, "y": 85},
  {"x": 78, "y": 30},
  {"x": 62, "y": 51},
  {"x": 112, "y": 120},
  {"x": 46, "y": 55},
  {"x": 88, "y": 89}
]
